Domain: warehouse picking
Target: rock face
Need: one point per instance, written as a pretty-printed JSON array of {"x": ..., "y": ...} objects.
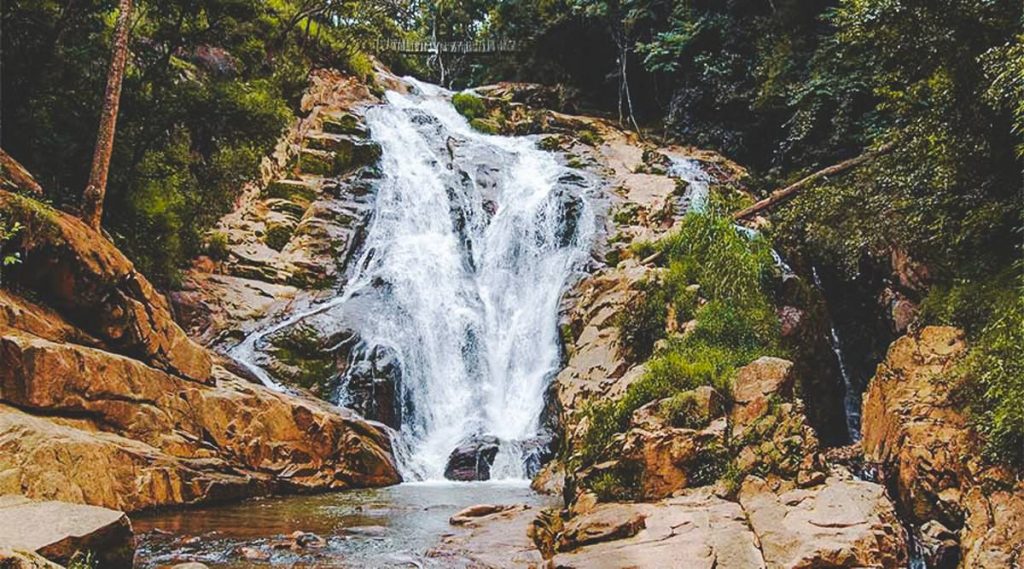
[
  {"x": 105, "y": 401},
  {"x": 96, "y": 288},
  {"x": 929, "y": 454},
  {"x": 58, "y": 530}
]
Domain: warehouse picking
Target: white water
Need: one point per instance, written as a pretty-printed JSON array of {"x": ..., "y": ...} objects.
[{"x": 463, "y": 267}]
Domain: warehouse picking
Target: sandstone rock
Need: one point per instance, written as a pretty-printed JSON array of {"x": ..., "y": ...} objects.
[
  {"x": 605, "y": 523},
  {"x": 58, "y": 530},
  {"x": 550, "y": 479},
  {"x": 842, "y": 523},
  {"x": 498, "y": 540},
  {"x": 753, "y": 389},
  {"x": 190, "y": 565},
  {"x": 85, "y": 278},
  {"x": 928, "y": 452},
  {"x": 695, "y": 530}
]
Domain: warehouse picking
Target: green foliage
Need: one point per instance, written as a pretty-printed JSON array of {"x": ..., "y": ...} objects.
[
  {"x": 83, "y": 560},
  {"x": 217, "y": 246},
  {"x": 208, "y": 88},
  {"x": 469, "y": 105},
  {"x": 991, "y": 376},
  {"x": 8, "y": 230},
  {"x": 735, "y": 325}
]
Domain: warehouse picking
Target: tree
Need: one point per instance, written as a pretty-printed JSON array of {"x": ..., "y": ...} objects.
[{"x": 92, "y": 198}]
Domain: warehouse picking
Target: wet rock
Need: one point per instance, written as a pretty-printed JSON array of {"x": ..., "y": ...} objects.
[
  {"x": 373, "y": 381},
  {"x": 472, "y": 459},
  {"x": 57, "y": 530},
  {"x": 939, "y": 545},
  {"x": 253, "y": 554},
  {"x": 471, "y": 513}
]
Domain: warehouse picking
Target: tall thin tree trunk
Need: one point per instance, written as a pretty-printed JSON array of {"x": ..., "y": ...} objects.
[{"x": 92, "y": 198}]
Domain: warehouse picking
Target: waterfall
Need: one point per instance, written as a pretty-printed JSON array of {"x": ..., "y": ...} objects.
[
  {"x": 471, "y": 243},
  {"x": 852, "y": 396}
]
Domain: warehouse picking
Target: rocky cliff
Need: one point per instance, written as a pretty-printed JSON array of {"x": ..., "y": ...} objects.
[{"x": 104, "y": 399}]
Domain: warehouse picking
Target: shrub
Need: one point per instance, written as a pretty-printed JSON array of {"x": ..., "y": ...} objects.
[{"x": 217, "y": 246}]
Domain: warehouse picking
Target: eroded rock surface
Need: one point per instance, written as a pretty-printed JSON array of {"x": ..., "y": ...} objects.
[{"x": 930, "y": 456}]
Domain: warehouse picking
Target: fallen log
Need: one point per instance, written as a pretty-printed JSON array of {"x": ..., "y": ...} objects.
[{"x": 787, "y": 192}]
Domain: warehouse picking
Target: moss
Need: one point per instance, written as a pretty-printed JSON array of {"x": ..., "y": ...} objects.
[
  {"x": 576, "y": 162},
  {"x": 316, "y": 163},
  {"x": 618, "y": 484},
  {"x": 469, "y": 105},
  {"x": 551, "y": 143},
  {"x": 309, "y": 364},
  {"x": 486, "y": 126},
  {"x": 291, "y": 190},
  {"x": 628, "y": 214},
  {"x": 590, "y": 137}
]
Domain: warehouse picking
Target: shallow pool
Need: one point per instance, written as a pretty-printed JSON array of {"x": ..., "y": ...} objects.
[{"x": 382, "y": 527}]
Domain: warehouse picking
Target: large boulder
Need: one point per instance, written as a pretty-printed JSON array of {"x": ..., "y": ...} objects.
[
  {"x": 694, "y": 529},
  {"x": 58, "y": 530}
]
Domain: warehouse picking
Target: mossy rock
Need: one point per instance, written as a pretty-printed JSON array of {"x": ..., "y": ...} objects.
[
  {"x": 469, "y": 105},
  {"x": 346, "y": 123},
  {"x": 300, "y": 358},
  {"x": 316, "y": 163},
  {"x": 486, "y": 126},
  {"x": 278, "y": 235},
  {"x": 297, "y": 191},
  {"x": 354, "y": 153},
  {"x": 285, "y": 207},
  {"x": 325, "y": 142}
]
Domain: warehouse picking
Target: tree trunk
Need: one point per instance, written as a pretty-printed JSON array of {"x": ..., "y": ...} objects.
[
  {"x": 787, "y": 192},
  {"x": 92, "y": 199}
]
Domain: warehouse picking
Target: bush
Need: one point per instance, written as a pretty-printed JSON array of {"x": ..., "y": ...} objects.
[{"x": 469, "y": 105}]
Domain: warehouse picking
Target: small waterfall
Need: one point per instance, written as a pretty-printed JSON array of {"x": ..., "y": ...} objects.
[
  {"x": 852, "y": 398},
  {"x": 471, "y": 244}
]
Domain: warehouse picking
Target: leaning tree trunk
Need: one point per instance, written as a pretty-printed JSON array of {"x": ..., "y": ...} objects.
[{"x": 92, "y": 199}]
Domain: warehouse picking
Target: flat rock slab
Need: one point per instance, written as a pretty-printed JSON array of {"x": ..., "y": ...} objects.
[{"x": 56, "y": 530}]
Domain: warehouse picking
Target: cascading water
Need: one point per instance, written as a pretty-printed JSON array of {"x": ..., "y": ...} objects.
[{"x": 471, "y": 244}]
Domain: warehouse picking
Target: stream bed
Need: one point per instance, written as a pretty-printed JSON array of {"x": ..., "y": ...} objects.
[{"x": 395, "y": 526}]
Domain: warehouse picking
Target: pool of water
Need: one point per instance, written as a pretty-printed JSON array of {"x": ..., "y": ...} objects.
[{"x": 382, "y": 527}]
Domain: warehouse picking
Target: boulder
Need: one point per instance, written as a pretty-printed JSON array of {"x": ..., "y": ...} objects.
[
  {"x": 472, "y": 459},
  {"x": 58, "y": 530},
  {"x": 604, "y": 523},
  {"x": 78, "y": 272},
  {"x": 470, "y": 513},
  {"x": 19, "y": 559},
  {"x": 841, "y": 523},
  {"x": 754, "y": 388}
]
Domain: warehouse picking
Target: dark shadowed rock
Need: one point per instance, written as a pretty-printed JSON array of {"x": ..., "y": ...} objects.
[{"x": 472, "y": 460}]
